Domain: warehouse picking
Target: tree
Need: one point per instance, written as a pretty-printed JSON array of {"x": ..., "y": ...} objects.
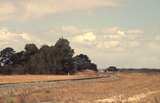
[
  {"x": 63, "y": 56},
  {"x": 17, "y": 58},
  {"x": 39, "y": 63},
  {"x": 111, "y": 69},
  {"x": 63, "y": 48},
  {"x": 82, "y": 62},
  {"x": 6, "y": 56},
  {"x": 31, "y": 49},
  {"x": 57, "y": 59}
]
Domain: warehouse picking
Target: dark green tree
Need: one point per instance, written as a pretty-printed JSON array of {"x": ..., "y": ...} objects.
[
  {"x": 31, "y": 49},
  {"x": 6, "y": 56},
  {"x": 57, "y": 59},
  {"x": 63, "y": 56},
  {"x": 82, "y": 62}
]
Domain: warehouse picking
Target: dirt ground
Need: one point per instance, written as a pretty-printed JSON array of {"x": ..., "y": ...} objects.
[{"x": 120, "y": 87}]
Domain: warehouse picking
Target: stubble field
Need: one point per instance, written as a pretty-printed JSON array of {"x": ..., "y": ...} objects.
[{"x": 121, "y": 87}]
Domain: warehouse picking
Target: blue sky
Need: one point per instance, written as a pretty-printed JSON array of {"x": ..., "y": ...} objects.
[{"x": 124, "y": 33}]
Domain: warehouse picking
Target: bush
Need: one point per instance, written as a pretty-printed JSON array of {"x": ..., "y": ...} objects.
[{"x": 111, "y": 69}]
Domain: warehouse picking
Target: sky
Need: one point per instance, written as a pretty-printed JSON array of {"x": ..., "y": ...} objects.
[{"x": 122, "y": 33}]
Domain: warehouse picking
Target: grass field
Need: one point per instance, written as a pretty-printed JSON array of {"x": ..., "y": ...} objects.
[
  {"x": 34, "y": 78},
  {"x": 120, "y": 87}
]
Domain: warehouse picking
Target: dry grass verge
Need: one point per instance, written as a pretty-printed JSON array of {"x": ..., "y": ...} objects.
[{"x": 128, "y": 88}]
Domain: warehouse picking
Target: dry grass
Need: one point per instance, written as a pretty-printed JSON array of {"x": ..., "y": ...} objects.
[
  {"x": 34, "y": 78},
  {"x": 120, "y": 88},
  {"x": 89, "y": 73}
]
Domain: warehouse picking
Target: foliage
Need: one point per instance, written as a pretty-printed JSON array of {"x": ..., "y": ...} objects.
[
  {"x": 6, "y": 56},
  {"x": 111, "y": 69},
  {"x": 83, "y": 62},
  {"x": 57, "y": 59}
]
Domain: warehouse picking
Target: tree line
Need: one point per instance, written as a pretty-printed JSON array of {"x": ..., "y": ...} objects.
[{"x": 57, "y": 59}]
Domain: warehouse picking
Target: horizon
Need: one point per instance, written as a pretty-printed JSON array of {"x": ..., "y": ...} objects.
[{"x": 121, "y": 33}]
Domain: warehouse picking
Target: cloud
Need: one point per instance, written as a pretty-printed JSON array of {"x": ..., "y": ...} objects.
[
  {"x": 108, "y": 44},
  {"x": 5, "y": 35},
  {"x": 29, "y": 9},
  {"x": 157, "y": 37},
  {"x": 115, "y": 33},
  {"x": 8, "y": 38},
  {"x": 135, "y": 31},
  {"x": 125, "y": 50},
  {"x": 109, "y": 39},
  {"x": 118, "y": 33},
  {"x": 86, "y": 37}
]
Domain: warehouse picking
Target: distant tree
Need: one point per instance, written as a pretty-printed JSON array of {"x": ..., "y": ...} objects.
[
  {"x": 63, "y": 56},
  {"x": 93, "y": 67},
  {"x": 23, "y": 58},
  {"x": 111, "y": 69},
  {"x": 31, "y": 49},
  {"x": 46, "y": 61},
  {"x": 45, "y": 49},
  {"x": 62, "y": 47},
  {"x": 6, "y": 56},
  {"x": 17, "y": 58},
  {"x": 57, "y": 59},
  {"x": 39, "y": 63},
  {"x": 82, "y": 62}
]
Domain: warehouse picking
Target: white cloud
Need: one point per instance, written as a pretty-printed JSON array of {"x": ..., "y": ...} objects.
[
  {"x": 18, "y": 40},
  {"x": 135, "y": 34},
  {"x": 121, "y": 33},
  {"x": 114, "y": 33},
  {"x": 89, "y": 36},
  {"x": 135, "y": 31},
  {"x": 118, "y": 33},
  {"x": 157, "y": 37},
  {"x": 107, "y": 44},
  {"x": 110, "y": 39},
  {"x": 5, "y": 35},
  {"x": 133, "y": 44},
  {"x": 86, "y": 37}
]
